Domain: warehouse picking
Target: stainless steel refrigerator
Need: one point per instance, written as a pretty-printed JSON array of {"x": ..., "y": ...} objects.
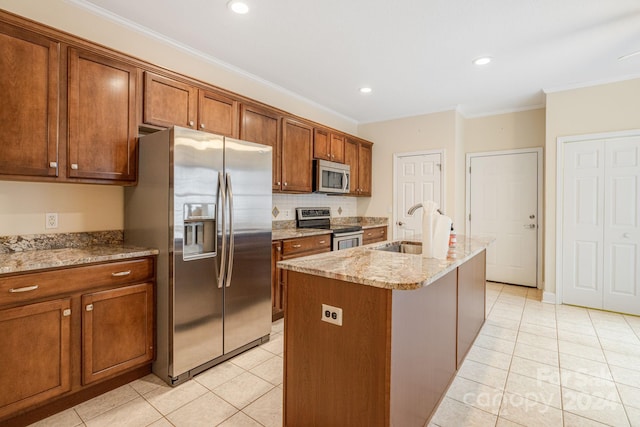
[{"x": 204, "y": 201}]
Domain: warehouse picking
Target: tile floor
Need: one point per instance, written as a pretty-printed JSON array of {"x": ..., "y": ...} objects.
[{"x": 533, "y": 364}]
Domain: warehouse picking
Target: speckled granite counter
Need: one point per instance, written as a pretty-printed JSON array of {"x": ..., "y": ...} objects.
[
  {"x": 286, "y": 229},
  {"x": 294, "y": 233},
  {"x": 18, "y": 262},
  {"x": 367, "y": 266}
]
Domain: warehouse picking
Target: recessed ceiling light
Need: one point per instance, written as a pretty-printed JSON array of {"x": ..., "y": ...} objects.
[
  {"x": 483, "y": 60},
  {"x": 365, "y": 90},
  {"x": 238, "y": 6}
]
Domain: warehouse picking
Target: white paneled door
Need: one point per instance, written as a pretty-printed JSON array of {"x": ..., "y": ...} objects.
[
  {"x": 503, "y": 203},
  {"x": 418, "y": 177},
  {"x": 601, "y": 224}
]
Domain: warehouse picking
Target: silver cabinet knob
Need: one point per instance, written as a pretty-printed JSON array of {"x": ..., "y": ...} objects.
[
  {"x": 74, "y": 166},
  {"x": 285, "y": 183},
  {"x": 201, "y": 125},
  {"x": 278, "y": 183},
  {"x": 190, "y": 123},
  {"x": 53, "y": 164}
]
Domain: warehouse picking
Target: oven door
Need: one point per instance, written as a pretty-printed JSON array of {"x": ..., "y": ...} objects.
[{"x": 346, "y": 240}]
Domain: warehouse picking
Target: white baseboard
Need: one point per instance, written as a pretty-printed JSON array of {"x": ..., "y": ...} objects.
[{"x": 549, "y": 297}]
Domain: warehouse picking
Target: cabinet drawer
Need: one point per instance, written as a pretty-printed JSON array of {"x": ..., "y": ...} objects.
[
  {"x": 372, "y": 235},
  {"x": 321, "y": 243},
  {"x": 31, "y": 286}
]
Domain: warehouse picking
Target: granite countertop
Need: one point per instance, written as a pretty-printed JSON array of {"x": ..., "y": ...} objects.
[
  {"x": 294, "y": 233},
  {"x": 25, "y": 261},
  {"x": 367, "y": 266},
  {"x": 288, "y": 230}
]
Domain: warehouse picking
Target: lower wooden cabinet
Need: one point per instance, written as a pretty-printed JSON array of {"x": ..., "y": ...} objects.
[
  {"x": 288, "y": 249},
  {"x": 35, "y": 354},
  {"x": 374, "y": 235},
  {"x": 117, "y": 330},
  {"x": 67, "y": 334}
]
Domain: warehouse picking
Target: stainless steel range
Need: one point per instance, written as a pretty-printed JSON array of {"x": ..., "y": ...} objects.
[{"x": 343, "y": 236}]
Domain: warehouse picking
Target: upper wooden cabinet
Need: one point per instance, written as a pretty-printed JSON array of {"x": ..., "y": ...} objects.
[
  {"x": 103, "y": 124},
  {"x": 328, "y": 145},
  {"x": 297, "y": 152},
  {"x": 169, "y": 102},
  {"x": 29, "y": 85},
  {"x": 262, "y": 125},
  {"x": 357, "y": 154}
]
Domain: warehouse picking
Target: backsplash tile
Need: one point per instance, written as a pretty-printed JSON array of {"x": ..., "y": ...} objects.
[{"x": 286, "y": 204}]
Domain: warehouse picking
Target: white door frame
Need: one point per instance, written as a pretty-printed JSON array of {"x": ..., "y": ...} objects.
[
  {"x": 396, "y": 157},
  {"x": 467, "y": 213},
  {"x": 560, "y": 144}
]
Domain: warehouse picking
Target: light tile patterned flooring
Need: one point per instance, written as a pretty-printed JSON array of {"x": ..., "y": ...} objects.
[{"x": 533, "y": 364}]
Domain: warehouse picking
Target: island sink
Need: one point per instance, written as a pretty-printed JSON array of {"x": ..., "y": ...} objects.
[{"x": 403, "y": 247}]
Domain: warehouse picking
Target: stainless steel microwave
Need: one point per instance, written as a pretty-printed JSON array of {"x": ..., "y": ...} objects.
[{"x": 331, "y": 177}]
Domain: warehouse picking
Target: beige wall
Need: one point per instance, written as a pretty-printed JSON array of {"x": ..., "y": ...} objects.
[
  {"x": 596, "y": 109},
  {"x": 421, "y": 133},
  {"x": 91, "y": 208},
  {"x": 79, "y": 207},
  {"x": 524, "y": 129}
]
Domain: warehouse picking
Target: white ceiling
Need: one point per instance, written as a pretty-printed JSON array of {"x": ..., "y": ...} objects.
[{"x": 415, "y": 54}]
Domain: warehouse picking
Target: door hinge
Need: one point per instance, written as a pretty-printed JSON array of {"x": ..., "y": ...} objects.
[
  {"x": 469, "y": 217},
  {"x": 439, "y": 166},
  {"x": 469, "y": 169}
]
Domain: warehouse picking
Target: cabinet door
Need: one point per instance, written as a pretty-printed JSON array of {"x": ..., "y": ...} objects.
[
  {"x": 34, "y": 354},
  {"x": 168, "y": 102},
  {"x": 263, "y": 126},
  {"x": 337, "y": 148},
  {"x": 351, "y": 158},
  {"x": 117, "y": 331},
  {"x": 217, "y": 114},
  {"x": 102, "y": 117},
  {"x": 364, "y": 169},
  {"x": 29, "y": 113},
  {"x": 297, "y": 151},
  {"x": 277, "y": 298},
  {"x": 321, "y": 144}
]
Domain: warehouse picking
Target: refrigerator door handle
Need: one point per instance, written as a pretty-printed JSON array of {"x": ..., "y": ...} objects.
[
  {"x": 231, "y": 236},
  {"x": 222, "y": 196}
]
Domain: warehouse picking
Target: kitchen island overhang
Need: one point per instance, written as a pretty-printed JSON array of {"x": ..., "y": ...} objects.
[{"x": 407, "y": 324}]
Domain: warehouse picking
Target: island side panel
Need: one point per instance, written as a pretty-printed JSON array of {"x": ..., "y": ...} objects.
[
  {"x": 336, "y": 375},
  {"x": 423, "y": 352},
  {"x": 471, "y": 302}
]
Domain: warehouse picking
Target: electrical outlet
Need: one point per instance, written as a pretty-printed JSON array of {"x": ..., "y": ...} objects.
[
  {"x": 51, "y": 220},
  {"x": 331, "y": 314},
  {"x": 286, "y": 213}
]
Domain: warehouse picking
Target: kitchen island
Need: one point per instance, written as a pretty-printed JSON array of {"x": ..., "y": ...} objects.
[{"x": 407, "y": 323}]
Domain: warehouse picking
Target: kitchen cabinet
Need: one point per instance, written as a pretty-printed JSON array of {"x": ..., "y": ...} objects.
[
  {"x": 71, "y": 333},
  {"x": 277, "y": 297},
  {"x": 374, "y": 235},
  {"x": 125, "y": 313},
  {"x": 102, "y": 117},
  {"x": 169, "y": 102},
  {"x": 288, "y": 249},
  {"x": 29, "y": 84},
  {"x": 297, "y": 153},
  {"x": 328, "y": 145},
  {"x": 35, "y": 354},
  {"x": 263, "y": 125},
  {"x": 358, "y": 154}
]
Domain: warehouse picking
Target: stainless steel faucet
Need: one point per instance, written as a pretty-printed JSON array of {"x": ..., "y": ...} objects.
[{"x": 413, "y": 209}]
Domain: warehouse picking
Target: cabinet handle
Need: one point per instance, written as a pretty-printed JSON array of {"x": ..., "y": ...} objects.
[
  {"x": 24, "y": 289},
  {"x": 89, "y": 307},
  {"x": 278, "y": 183},
  {"x": 297, "y": 246},
  {"x": 285, "y": 183},
  {"x": 121, "y": 273},
  {"x": 66, "y": 312},
  {"x": 278, "y": 249},
  {"x": 322, "y": 242},
  {"x": 190, "y": 123},
  {"x": 201, "y": 125},
  {"x": 74, "y": 166},
  {"x": 53, "y": 164}
]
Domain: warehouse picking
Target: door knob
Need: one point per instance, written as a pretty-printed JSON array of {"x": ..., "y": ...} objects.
[
  {"x": 626, "y": 235},
  {"x": 529, "y": 226},
  {"x": 531, "y": 216},
  {"x": 400, "y": 223}
]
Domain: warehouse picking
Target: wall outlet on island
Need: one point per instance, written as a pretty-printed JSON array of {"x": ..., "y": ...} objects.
[
  {"x": 50, "y": 220},
  {"x": 331, "y": 314}
]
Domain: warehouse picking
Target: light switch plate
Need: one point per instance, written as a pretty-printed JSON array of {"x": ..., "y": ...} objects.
[{"x": 51, "y": 220}]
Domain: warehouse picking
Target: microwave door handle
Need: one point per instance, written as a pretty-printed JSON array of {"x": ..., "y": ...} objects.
[
  {"x": 346, "y": 181},
  {"x": 222, "y": 190}
]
